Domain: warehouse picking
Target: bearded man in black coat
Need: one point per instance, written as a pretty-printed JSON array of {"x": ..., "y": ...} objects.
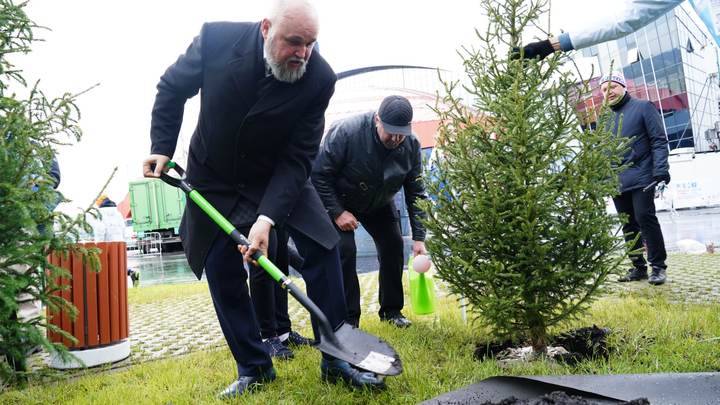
[{"x": 263, "y": 100}]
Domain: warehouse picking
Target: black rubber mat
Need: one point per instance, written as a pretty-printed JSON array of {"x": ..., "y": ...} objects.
[{"x": 659, "y": 389}]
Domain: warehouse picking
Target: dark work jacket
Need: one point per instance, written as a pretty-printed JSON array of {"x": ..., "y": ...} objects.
[
  {"x": 354, "y": 172},
  {"x": 648, "y": 153},
  {"x": 244, "y": 150}
]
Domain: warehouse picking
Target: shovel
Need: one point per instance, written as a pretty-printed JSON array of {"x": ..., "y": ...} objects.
[{"x": 362, "y": 350}]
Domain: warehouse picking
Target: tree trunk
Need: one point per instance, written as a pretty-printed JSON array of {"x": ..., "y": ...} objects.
[{"x": 538, "y": 336}]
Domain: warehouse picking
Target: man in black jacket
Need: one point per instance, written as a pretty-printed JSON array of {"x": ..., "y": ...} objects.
[
  {"x": 263, "y": 102},
  {"x": 363, "y": 162},
  {"x": 647, "y": 158}
]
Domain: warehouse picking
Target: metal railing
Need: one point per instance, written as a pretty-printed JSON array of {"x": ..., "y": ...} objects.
[{"x": 150, "y": 244}]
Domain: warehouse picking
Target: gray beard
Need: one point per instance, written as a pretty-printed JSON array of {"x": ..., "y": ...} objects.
[{"x": 280, "y": 71}]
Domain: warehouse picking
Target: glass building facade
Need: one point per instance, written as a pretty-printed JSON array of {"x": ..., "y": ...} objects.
[{"x": 673, "y": 63}]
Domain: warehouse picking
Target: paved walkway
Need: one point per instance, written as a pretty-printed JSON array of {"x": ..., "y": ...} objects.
[
  {"x": 181, "y": 325},
  {"x": 691, "y": 278},
  {"x": 178, "y": 326}
]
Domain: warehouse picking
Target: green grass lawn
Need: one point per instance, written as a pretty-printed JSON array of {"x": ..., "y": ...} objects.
[
  {"x": 155, "y": 293},
  {"x": 650, "y": 335}
]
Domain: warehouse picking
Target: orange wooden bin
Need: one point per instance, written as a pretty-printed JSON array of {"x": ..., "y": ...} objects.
[{"x": 101, "y": 326}]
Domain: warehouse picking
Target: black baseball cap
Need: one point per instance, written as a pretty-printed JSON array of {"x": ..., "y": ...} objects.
[{"x": 396, "y": 114}]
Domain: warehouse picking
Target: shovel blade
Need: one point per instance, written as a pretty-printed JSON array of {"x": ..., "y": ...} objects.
[{"x": 362, "y": 350}]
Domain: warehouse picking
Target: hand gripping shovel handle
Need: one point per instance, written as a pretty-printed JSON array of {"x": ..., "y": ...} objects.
[{"x": 322, "y": 321}]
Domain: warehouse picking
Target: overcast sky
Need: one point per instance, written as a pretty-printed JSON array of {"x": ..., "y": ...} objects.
[{"x": 126, "y": 45}]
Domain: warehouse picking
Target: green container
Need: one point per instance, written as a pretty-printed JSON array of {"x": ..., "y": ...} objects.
[
  {"x": 155, "y": 206},
  {"x": 422, "y": 290}
]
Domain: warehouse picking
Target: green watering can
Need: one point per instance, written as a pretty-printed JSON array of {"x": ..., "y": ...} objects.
[{"x": 422, "y": 288}]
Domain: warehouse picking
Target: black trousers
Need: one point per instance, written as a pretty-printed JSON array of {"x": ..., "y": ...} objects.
[
  {"x": 269, "y": 298},
  {"x": 227, "y": 280},
  {"x": 383, "y": 226},
  {"x": 639, "y": 206}
]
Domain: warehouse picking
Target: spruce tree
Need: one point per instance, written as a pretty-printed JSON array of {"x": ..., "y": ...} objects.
[
  {"x": 518, "y": 223},
  {"x": 31, "y": 127}
]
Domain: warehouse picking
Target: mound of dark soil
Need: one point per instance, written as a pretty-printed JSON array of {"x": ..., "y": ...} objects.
[
  {"x": 582, "y": 344},
  {"x": 558, "y": 398}
]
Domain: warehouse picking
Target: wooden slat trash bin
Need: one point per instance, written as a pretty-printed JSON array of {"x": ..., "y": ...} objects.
[{"x": 102, "y": 325}]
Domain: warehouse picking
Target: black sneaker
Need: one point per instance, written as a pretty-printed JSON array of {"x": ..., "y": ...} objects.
[
  {"x": 276, "y": 349},
  {"x": 246, "y": 384},
  {"x": 657, "y": 277},
  {"x": 398, "y": 320},
  {"x": 634, "y": 274},
  {"x": 296, "y": 339}
]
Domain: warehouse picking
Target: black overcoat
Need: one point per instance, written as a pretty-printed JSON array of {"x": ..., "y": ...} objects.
[{"x": 246, "y": 150}]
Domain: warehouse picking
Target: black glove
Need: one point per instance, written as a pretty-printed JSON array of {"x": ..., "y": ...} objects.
[
  {"x": 662, "y": 177},
  {"x": 539, "y": 50}
]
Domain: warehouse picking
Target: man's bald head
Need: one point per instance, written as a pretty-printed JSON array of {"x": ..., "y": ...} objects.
[{"x": 298, "y": 10}]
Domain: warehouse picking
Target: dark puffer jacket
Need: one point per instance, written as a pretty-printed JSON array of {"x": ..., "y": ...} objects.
[
  {"x": 648, "y": 153},
  {"x": 354, "y": 172}
]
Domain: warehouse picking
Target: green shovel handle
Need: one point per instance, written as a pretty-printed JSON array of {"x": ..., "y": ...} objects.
[{"x": 218, "y": 218}]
